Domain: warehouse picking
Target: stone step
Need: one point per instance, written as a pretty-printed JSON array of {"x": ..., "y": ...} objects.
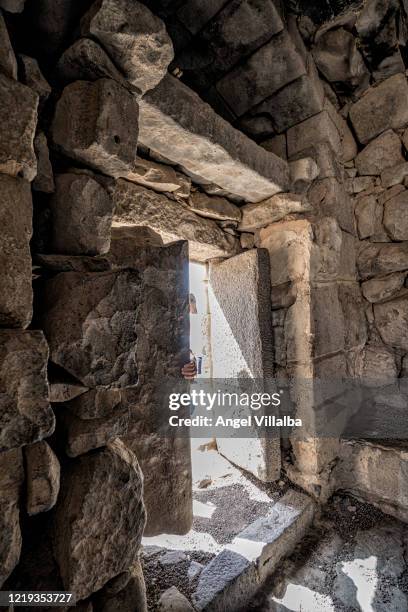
[
  {"x": 233, "y": 577},
  {"x": 176, "y": 123}
]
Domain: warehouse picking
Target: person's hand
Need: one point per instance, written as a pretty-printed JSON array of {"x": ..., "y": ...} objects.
[{"x": 189, "y": 370}]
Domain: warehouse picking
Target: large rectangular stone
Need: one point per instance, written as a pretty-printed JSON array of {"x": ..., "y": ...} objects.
[
  {"x": 261, "y": 214},
  {"x": 316, "y": 129},
  {"x": 16, "y": 213},
  {"x": 270, "y": 68},
  {"x": 136, "y": 205},
  {"x": 381, "y": 108},
  {"x": 176, "y": 123}
]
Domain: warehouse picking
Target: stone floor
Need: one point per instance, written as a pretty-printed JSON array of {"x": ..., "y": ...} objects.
[{"x": 354, "y": 559}]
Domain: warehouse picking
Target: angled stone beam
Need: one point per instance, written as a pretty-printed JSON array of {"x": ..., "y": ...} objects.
[{"x": 176, "y": 123}]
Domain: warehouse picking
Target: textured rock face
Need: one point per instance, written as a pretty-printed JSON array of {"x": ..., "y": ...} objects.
[
  {"x": 13, "y": 6},
  {"x": 255, "y": 216},
  {"x": 382, "y": 153},
  {"x": 396, "y": 218},
  {"x": 375, "y": 259},
  {"x": 34, "y": 78},
  {"x": 80, "y": 309},
  {"x": 8, "y": 62},
  {"x": 177, "y": 124},
  {"x": 86, "y": 60},
  {"x": 136, "y": 205},
  {"x": 81, "y": 216},
  {"x": 86, "y": 563},
  {"x": 383, "y": 107},
  {"x": 43, "y": 477},
  {"x": 26, "y": 415},
  {"x": 15, "y": 259},
  {"x": 128, "y": 599},
  {"x": 214, "y": 207},
  {"x": 18, "y": 118},
  {"x": 135, "y": 39},
  {"x": 44, "y": 181},
  {"x": 391, "y": 320},
  {"x": 97, "y": 123},
  {"x": 338, "y": 58},
  {"x": 383, "y": 288},
  {"x": 252, "y": 82},
  {"x": 11, "y": 479}
]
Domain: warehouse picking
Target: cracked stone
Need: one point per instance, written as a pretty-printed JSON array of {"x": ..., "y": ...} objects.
[
  {"x": 43, "y": 477},
  {"x": 381, "y": 153}
]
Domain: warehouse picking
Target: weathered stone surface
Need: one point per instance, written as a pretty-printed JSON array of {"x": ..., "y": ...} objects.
[
  {"x": 93, "y": 419},
  {"x": 135, "y": 39},
  {"x": 86, "y": 60},
  {"x": 97, "y": 123},
  {"x": 390, "y": 193},
  {"x": 214, "y": 207},
  {"x": 26, "y": 416},
  {"x": 15, "y": 259},
  {"x": 159, "y": 177},
  {"x": 369, "y": 216},
  {"x": 255, "y": 216},
  {"x": 295, "y": 102},
  {"x": 319, "y": 128},
  {"x": 11, "y": 480},
  {"x": 18, "y": 118},
  {"x": 391, "y": 320},
  {"x": 329, "y": 198},
  {"x": 378, "y": 367},
  {"x": 80, "y": 312},
  {"x": 43, "y": 477},
  {"x": 348, "y": 149},
  {"x": 302, "y": 173},
  {"x": 338, "y": 58},
  {"x": 247, "y": 240},
  {"x": 44, "y": 181},
  {"x": 177, "y": 124},
  {"x": 363, "y": 183},
  {"x": 253, "y": 81},
  {"x": 396, "y": 218},
  {"x": 379, "y": 289},
  {"x": 86, "y": 563},
  {"x": 34, "y": 78},
  {"x": 240, "y": 292},
  {"x": 393, "y": 176},
  {"x": 12, "y": 6},
  {"x": 381, "y": 153},
  {"x": 8, "y": 62},
  {"x": 377, "y": 259},
  {"x": 136, "y": 205},
  {"x": 381, "y": 108},
  {"x": 277, "y": 145},
  {"x": 130, "y": 598},
  {"x": 82, "y": 212},
  {"x": 174, "y": 601}
]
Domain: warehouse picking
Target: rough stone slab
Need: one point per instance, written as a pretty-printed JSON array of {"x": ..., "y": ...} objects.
[
  {"x": 255, "y": 216},
  {"x": 277, "y": 145},
  {"x": 241, "y": 328},
  {"x": 44, "y": 181},
  {"x": 85, "y": 60},
  {"x": 296, "y": 102},
  {"x": 43, "y": 477},
  {"x": 174, "y": 601},
  {"x": 131, "y": 598},
  {"x": 12, "y": 6},
  {"x": 369, "y": 214},
  {"x": 34, "y": 78},
  {"x": 365, "y": 471},
  {"x": 391, "y": 321},
  {"x": 135, "y": 39},
  {"x": 26, "y": 415},
  {"x": 93, "y": 419},
  {"x": 303, "y": 172},
  {"x": 176, "y": 123},
  {"x": 393, "y": 176},
  {"x": 82, "y": 213},
  {"x": 381, "y": 153},
  {"x": 395, "y": 217},
  {"x": 232, "y": 578},
  {"x": 253, "y": 81},
  {"x": 11, "y": 480},
  {"x": 159, "y": 177},
  {"x": 214, "y": 207},
  {"x": 378, "y": 259},
  {"x": 319, "y": 128},
  {"x": 8, "y": 62},
  {"x": 329, "y": 198},
  {"x": 89, "y": 320},
  {"x": 379, "y": 289},
  {"x": 327, "y": 160},
  {"x": 15, "y": 259},
  {"x": 104, "y": 489},
  {"x": 96, "y": 123},
  {"x": 349, "y": 149},
  {"x": 382, "y": 108},
  {"x": 18, "y": 119},
  {"x": 136, "y": 205},
  {"x": 338, "y": 58},
  {"x": 195, "y": 14}
]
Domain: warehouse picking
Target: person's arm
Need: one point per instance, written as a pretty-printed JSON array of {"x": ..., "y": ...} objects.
[{"x": 189, "y": 370}]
